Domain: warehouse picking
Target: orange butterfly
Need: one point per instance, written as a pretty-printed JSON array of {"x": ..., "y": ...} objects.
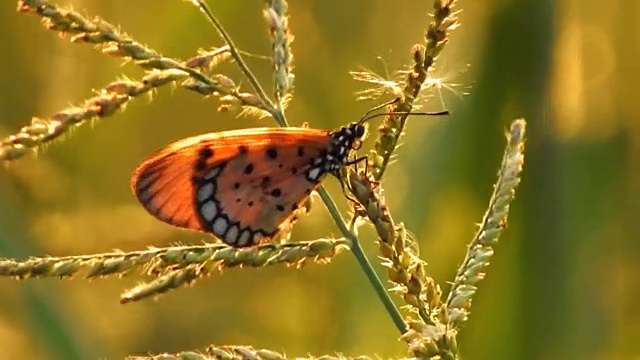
[{"x": 241, "y": 185}]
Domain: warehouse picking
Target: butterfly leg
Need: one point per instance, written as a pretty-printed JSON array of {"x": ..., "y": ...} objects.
[{"x": 342, "y": 182}]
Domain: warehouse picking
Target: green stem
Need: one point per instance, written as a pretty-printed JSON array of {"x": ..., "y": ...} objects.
[
  {"x": 364, "y": 262},
  {"x": 278, "y": 113},
  {"x": 280, "y": 117},
  {"x": 241, "y": 64}
]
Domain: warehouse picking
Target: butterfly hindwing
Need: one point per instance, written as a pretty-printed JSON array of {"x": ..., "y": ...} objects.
[
  {"x": 157, "y": 183},
  {"x": 271, "y": 185}
]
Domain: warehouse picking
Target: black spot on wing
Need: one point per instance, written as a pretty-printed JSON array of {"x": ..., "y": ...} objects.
[
  {"x": 205, "y": 152},
  {"x": 272, "y": 153}
]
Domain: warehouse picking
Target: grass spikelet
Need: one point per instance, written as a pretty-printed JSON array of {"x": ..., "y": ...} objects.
[
  {"x": 275, "y": 14},
  {"x": 163, "y": 70},
  {"x": 158, "y": 261},
  {"x": 262, "y": 100},
  {"x": 399, "y": 253},
  {"x": 404, "y": 267},
  {"x": 171, "y": 280},
  {"x": 42, "y": 131},
  {"x": 184, "y": 269},
  {"x": 480, "y": 249},
  {"x": 96, "y": 31},
  {"x": 430, "y": 341},
  {"x": 237, "y": 353},
  {"x": 444, "y": 20},
  {"x": 209, "y": 59},
  {"x": 113, "y": 97}
]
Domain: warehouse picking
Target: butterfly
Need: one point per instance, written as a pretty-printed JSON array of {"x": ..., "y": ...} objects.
[{"x": 243, "y": 186}]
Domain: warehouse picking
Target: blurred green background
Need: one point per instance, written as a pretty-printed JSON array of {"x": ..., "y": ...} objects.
[{"x": 563, "y": 283}]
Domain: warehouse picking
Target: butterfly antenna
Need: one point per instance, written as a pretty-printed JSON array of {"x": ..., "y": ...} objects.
[{"x": 368, "y": 116}]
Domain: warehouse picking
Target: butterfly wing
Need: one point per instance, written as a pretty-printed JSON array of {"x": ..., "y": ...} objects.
[{"x": 240, "y": 185}]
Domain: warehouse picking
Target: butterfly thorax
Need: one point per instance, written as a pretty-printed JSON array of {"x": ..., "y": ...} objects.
[{"x": 342, "y": 142}]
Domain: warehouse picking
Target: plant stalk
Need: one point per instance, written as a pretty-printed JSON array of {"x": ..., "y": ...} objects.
[
  {"x": 278, "y": 114},
  {"x": 364, "y": 262}
]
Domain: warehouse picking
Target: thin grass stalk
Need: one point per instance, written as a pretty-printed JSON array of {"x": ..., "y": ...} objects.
[
  {"x": 106, "y": 36},
  {"x": 275, "y": 14},
  {"x": 158, "y": 261},
  {"x": 364, "y": 263},
  {"x": 424, "y": 56},
  {"x": 404, "y": 267},
  {"x": 107, "y": 102},
  {"x": 292, "y": 254},
  {"x": 237, "y": 353},
  {"x": 439, "y": 340},
  {"x": 244, "y": 68},
  {"x": 115, "y": 95},
  {"x": 480, "y": 250}
]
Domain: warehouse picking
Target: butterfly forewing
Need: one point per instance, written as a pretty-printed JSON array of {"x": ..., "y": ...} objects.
[{"x": 242, "y": 186}]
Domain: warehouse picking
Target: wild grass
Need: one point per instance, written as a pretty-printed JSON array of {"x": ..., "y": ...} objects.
[{"x": 429, "y": 323}]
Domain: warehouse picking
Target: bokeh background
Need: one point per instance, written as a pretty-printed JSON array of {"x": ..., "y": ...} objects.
[{"x": 563, "y": 283}]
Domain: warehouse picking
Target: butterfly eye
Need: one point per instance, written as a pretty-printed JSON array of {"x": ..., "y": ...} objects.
[{"x": 359, "y": 130}]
